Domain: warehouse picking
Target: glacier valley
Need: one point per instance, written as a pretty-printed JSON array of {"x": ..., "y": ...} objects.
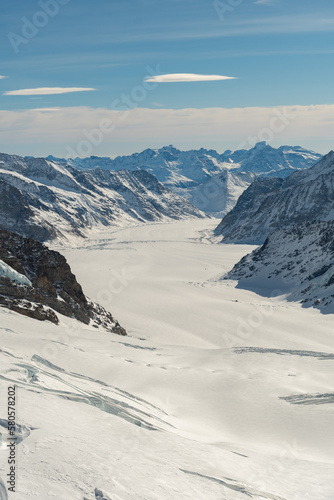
[{"x": 216, "y": 392}]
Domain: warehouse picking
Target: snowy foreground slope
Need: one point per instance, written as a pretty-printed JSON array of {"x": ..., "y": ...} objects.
[
  {"x": 217, "y": 393},
  {"x": 209, "y": 180},
  {"x": 43, "y": 200},
  {"x": 271, "y": 204},
  {"x": 296, "y": 262}
]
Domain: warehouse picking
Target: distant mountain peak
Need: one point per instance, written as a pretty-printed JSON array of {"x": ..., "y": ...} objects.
[
  {"x": 261, "y": 145},
  {"x": 169, "y": 148}
]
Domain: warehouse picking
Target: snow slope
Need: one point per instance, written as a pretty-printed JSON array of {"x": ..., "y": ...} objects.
[
  {"x": 218, "y": 195},
  {"x": 271, "y": 204},
  {"x": 44, "y": 200},
  {"x": 211, "y": 181},
  {"x": 297, "y": 262},
  {"x": 238, "y": 387}
]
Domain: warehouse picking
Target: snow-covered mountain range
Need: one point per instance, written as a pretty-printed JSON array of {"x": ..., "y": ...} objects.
[
  {"x": 265, "y": 160},
  {"x": 44, "y": 200},
  {"x": 209, "y": 180},
  {"x": 270, "y": 204},
  {"x": 297, "y": 262},
  {"x": 178, "y": 168}
]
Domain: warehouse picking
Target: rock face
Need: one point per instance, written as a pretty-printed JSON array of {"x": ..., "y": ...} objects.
[
  {"x": 298, "y": 262},
  {"x": 43, "y": 200},
  {"x": 272, "y": 204},
  {"x": 16, "y": 213},
  {"x": 42, "y": 285},
  {"x": 209, "y": 180}
]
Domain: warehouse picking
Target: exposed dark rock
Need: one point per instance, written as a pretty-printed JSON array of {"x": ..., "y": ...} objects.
[
  {"x": 16, "y": 214},
  {"x": 23, "y": 306},
  {"x": 53, "y": 285}
]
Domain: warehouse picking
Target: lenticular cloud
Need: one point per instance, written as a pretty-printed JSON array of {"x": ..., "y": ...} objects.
[
  {"x": 47, "y": 91},
  {"x": 186, "y": 77}
]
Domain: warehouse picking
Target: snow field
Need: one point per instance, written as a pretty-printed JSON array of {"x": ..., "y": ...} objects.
[{"x": 189, "y": 405}]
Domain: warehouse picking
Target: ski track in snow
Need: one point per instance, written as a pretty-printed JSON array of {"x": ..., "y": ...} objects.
[{"x": 235, "y": 388}]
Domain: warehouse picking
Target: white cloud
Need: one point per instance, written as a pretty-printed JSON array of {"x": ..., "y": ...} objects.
[
  {"x": 217, "y": 127},
  {"x": 47, "y": 91},
  {"x": 186, "y": 77},
  {"x": 1, "y": 77}
]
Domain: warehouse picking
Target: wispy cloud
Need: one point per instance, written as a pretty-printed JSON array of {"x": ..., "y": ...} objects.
[
  {"x": 186, "y": 77},
  {"x": 254, "y": 25},
  {"x": 47, "y": 91},
  {"x": 2, "y": 77}
]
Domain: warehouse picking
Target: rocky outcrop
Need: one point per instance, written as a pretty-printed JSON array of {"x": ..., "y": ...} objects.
[
  {"x": 17, "y": 215},
  {"x": 297, "y": 262},
  {"x": 53, "y": 287}
]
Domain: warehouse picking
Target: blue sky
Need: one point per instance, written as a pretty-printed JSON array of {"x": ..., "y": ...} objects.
[{"x": 280, "y": 53}]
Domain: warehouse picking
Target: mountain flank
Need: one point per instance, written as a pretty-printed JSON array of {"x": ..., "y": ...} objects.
[{"x": 38, "y": 282}]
